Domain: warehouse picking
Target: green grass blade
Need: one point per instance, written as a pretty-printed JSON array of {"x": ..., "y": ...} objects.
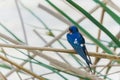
[
  {"x": 109, "y": 11},
  {"x": 112, "y": 44},
  {"x": 37, "y": 18},
  {"x": 11, "y": 33},
  {"x": 82, "y": 30},
  {"x": 116, "y": 41},
  {"x": 5, "y": 66}
]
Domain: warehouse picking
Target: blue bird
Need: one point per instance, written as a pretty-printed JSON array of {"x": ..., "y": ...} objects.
[{"x": 77, "y": 41}]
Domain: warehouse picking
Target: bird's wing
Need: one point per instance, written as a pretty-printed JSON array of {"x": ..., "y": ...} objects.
[
  {"x": 80, "y": 51},
  {"x": 76, "y": 46},
  {"x": 80, "y": 38},
  {"x": 70, "y": 39}
]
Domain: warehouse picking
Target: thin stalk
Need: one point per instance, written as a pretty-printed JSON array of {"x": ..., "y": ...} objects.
[
  {"x": 99, "y": 34},
  {"x": 19, "y": 75},
  {"x": 11, "y": 33},
  {"x": 105, "y": 66},
  {"x": 108, "y": 69},
  {"x": 2, "y": 77},
  {"x": 103, "y": 76},
  {"x": 113, "y": 73},
  {"x": 107, "y": 56},
  {"x": 23, "y": 28},
  {"x": 58, "y": 16},
  {"x": 40, "y": 28},
  {"x": 113, "y": 5}
]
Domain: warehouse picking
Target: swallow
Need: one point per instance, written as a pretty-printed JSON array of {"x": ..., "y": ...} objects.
[{"x": 76, "y": 40}]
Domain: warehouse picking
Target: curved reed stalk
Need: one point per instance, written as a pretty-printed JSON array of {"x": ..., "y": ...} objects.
[{"x": 23, "y": 28}]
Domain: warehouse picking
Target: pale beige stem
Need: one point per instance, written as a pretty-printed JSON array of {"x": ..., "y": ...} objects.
[
  {"x": 113, "y": 5},
  {"x": 113, "y": 73},
  {"x": 111, "y": 65},
  {"x": 99, "y": 34},
  {"x": 58, "y": 16},
  {"x": 2, "y": 77}
]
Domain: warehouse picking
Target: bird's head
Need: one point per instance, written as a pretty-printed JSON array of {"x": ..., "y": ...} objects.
[{"x": 73, "y": 29}]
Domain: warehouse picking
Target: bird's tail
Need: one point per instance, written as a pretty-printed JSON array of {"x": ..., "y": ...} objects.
[
  {"x": 89, "y": 66},
  {"x": 89, "y": 59},
  {"x": 90, "y": 62}
]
